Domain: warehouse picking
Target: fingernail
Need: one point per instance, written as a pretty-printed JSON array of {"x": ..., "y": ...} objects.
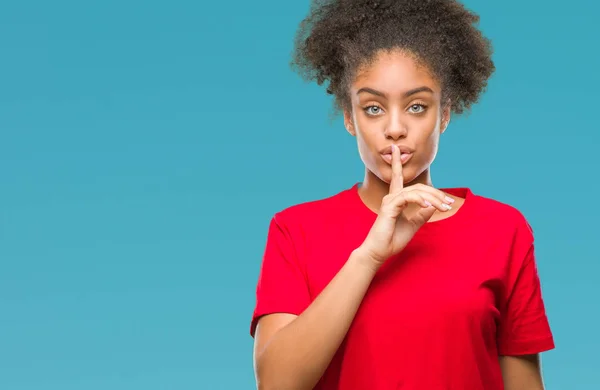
[
  {"x": 428, "y": 204},
  {"x": 446, "y": 206},
  {"x": 449, "y": 199}
]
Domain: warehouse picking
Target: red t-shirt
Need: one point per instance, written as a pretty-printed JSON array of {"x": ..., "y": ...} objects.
[{"x": 437, "y": 316}]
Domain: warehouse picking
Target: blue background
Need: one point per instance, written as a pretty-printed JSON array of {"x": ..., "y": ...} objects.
[{"x": 145, "y": 145}]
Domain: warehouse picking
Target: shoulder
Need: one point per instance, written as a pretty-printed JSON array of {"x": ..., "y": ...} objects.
[
  {"x": 502, "y": 215},
  {"x": 314, "y": 211}
]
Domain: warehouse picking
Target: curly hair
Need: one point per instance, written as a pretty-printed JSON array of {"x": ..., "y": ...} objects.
[{"x": 338, "y": 37}]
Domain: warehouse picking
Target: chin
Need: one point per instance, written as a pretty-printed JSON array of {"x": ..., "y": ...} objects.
[{"x": 385, "y": 174}]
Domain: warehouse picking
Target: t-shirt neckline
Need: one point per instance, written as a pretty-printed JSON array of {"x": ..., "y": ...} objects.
[{"x": 459, "y": 218}]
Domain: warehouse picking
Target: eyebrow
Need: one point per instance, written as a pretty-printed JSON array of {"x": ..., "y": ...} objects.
[{"x": 406, "y": 94}]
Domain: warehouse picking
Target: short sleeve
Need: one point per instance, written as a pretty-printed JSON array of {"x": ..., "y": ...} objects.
[
  {"x": 524, "y": 327},
  {"x": 281, "y": 286}
]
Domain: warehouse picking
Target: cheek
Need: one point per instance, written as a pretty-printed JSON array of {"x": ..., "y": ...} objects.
[
  {"x": 364, "y": 146},
  {"x": 367, "y": 149},
  {"x": 429, "y": 145}
]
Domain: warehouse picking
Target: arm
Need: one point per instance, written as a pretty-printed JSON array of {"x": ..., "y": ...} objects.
[
  {"x": 293, "y": 352},
  {"x": 522, "y": 372}
]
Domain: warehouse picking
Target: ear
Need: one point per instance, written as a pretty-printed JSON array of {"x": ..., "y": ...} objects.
[
  {"x": 349, "y": 122},
  {"x": 446, "y": 114}
]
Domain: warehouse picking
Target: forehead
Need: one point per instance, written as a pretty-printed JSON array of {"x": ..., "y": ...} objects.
[{"x": 394, "y": 72}]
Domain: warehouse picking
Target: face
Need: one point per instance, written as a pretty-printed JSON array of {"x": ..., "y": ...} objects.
[{"x": 396, "y": 100}]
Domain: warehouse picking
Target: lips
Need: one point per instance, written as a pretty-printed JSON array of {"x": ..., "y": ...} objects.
[
  {"x": 405, "y": 154},
  {"x": 403, "y": 149}
]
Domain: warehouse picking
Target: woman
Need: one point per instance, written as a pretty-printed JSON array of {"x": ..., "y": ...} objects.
[{"x": 393, "y": 283}]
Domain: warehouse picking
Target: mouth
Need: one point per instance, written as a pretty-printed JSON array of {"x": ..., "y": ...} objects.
[
  {"x": 404, "y": 157},
  {"x": 405, "y": 154}
]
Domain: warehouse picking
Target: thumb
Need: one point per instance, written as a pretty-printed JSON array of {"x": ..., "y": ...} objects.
[{"x": 423, "y": 215}]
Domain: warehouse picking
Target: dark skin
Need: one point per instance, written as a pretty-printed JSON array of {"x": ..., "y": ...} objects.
[
  {"x": 396, "y": 100},
  {"x": 293, "y": 351}
]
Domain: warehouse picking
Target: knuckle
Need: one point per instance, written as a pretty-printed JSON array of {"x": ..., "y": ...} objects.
[
  {"x": 387, "y": 201},
  {"x": 401, "y": 198}
]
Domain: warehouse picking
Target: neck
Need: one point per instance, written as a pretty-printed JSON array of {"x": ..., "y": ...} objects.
[{"x": 373, "y": 189}]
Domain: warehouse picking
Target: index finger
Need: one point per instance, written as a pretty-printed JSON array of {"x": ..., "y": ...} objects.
[{"x": 397, "y": 181}]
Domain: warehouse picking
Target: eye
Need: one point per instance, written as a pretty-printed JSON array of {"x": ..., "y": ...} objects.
[
  {"x": 417, "y": 108},
  {"x": 373, "y": 110}
]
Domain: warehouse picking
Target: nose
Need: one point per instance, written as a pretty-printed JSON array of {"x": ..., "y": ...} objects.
[{"x": 396, "y": 128}]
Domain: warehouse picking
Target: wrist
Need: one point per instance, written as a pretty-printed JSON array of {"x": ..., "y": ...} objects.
[{"x": 365, "y": 259}]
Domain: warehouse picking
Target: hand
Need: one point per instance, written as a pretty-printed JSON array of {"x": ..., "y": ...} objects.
[{"x": 403, "y": 211}]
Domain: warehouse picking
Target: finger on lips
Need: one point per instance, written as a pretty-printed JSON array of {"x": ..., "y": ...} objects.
[
  {"x": 397, "y": 181},
  {"x": 427, "y": 195}
]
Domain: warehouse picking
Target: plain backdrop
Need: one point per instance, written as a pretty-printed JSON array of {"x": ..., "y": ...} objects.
[{"x": 145, "y": 145}]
